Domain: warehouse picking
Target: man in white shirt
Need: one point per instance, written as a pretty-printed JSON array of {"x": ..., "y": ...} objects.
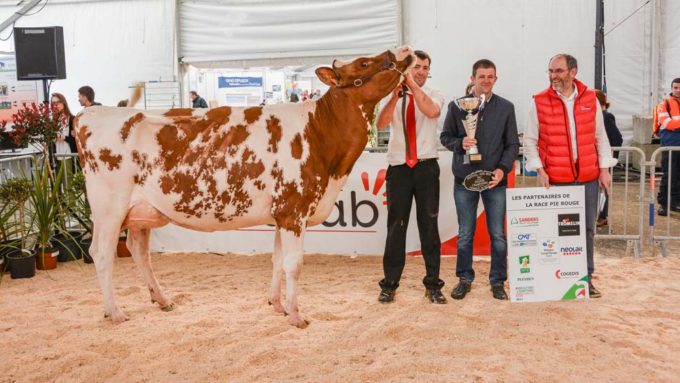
[
  {"x": 413, "y": 172},
  {"x": 575, "y": 154}
]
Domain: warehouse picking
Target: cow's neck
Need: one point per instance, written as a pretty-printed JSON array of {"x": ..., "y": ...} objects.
[{"x": 341, "y": 126}]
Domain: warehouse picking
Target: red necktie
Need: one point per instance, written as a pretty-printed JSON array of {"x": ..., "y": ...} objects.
[{"x": 411, "y": 152}]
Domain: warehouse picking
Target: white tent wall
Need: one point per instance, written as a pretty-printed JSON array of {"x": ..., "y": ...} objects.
[
  {"x": 284, "y": 32},
  {"x": 521, "y": 35},
  {"x": 670, "y": 45},
  {"x": 109, "y": 45}
]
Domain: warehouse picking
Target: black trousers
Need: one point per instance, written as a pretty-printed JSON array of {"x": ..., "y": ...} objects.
[
  {"x": 674, "y": 180},
  {"x": 403, "y": 185}
]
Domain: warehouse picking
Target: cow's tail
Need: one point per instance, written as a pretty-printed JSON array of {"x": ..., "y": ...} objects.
[{"x": 136, "y": 94}]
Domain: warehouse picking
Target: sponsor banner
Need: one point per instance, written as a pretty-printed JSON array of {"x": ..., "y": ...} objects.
[
  {"x": 356, "y": 225},
  {"x": 239, "y": 82},
  {"x": 546, "y": 244}
]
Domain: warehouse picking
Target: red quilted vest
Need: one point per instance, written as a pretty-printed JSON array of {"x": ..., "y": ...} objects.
[{"x": 554, "y": 136}]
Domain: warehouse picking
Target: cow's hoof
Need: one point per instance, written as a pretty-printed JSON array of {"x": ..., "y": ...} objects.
[
  {"x": 118, "y": 318},
  {"x": 278, "y": 307},
  {"x": 169, "y": 307},
  {"x": 299, "y": 322}
]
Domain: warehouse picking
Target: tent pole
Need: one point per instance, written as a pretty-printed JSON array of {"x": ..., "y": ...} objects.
[{"x": 599, "y": 40}]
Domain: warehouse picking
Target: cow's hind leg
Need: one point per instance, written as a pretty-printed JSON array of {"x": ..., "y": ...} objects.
[
  {"x": 102, "y": 250},
  {"x": 277, "y": 275},
  {"x": 291, "y": 246},
  {"x": 138, "y": 243}
]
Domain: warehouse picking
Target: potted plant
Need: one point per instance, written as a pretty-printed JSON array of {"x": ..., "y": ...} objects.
[
  {"x": 36, "y": 124},
  {"x": 14, "y": 193},
  {"x": 46, "y": 209},
  {"x": 78, "y": 208}
]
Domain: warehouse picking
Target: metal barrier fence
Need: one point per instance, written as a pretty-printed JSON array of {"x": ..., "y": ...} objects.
[
  {"x": 15, "y": 167},
  {"x": 662, "y": 239},
  {"x": 634, "y": 236}
]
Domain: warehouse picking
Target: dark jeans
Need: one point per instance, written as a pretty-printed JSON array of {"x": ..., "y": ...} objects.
[
  {"x": 662, "y": 198},
  {"x": 403, "y": 184},
  {"x": 466, "y": 209},
  {"x": 592, "y": 194}
]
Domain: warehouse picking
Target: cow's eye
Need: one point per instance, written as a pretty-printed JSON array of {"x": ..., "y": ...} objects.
[{"x": 364, "y": 64}]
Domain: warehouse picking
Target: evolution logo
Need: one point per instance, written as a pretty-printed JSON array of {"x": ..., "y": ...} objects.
[
  {"x": 568, "y": 225},
  {"x": 524, "y": 221},
  {"x": 559, "y": 274},
  {"x": 362, "y": 213},
  {"x": 571, "y": 250},
  {"x": 524, "y": 239}
]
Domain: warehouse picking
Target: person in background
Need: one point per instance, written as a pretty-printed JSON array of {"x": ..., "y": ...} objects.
[
  {"x": 197, "y": 101},
  {"x": 667, "y": 126},
  {"x": 65, "y": 143},
  {"x": 615, "y": 139},
  {"x": 294, "y": 97},
  {"x": 86, "y": 96},
  {"x": 413, "y": 173}
]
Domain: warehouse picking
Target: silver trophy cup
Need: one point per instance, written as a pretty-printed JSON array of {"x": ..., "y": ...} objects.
[{"x": 468, "y": 104}]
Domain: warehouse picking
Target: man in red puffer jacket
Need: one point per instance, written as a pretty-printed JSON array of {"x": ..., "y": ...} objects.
[{"x": 566, "y": 142}]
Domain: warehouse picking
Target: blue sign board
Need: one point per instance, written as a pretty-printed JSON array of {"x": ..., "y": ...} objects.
[{"x": 239, "y": 82}]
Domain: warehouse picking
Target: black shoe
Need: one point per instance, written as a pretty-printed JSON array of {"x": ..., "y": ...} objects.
[
  {"x": 675, "y": 208},
  {"x": 594, "y": 293},
  {"x": 435, "y": 296},
  {"x": 498, "y": 292},
  {"x": 663, "y": 211},
  {"x": 386, "y": 295},
  {"x": 461, "y": 289}
]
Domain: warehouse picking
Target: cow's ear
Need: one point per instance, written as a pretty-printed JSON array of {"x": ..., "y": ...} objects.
[{"x": 327, "y": 76}]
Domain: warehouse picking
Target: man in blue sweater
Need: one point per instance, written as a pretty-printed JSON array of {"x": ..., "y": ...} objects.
[{"x": 498, "y": 144}]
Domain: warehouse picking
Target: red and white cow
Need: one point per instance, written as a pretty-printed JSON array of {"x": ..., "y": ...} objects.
[{"x": 227, "y": 168}]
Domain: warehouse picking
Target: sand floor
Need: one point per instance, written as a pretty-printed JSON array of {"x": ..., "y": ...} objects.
[{"x": 52, "y": 327}]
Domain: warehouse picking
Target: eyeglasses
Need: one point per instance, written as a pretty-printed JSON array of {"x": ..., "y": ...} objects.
[{"x": 557, "y": 71}]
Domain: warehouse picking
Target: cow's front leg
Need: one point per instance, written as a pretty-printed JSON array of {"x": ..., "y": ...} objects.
[
  {"x": 277, "y": 275},
  {"x": 292, "y": 248},
  {"x": 138, "y": 243}
]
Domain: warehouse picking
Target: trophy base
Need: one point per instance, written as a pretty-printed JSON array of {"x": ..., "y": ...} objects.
[{"x": 472, "y": 158}]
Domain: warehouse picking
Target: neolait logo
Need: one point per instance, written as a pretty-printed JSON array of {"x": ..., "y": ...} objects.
[
  {"x": 559, "y": 274},
  {"x": 571, "y": 250}
]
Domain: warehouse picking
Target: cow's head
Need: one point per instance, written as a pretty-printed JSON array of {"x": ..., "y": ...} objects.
[{"x": 368, "y": 78}]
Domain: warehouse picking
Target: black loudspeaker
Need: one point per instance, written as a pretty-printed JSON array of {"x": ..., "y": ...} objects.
[{"x": 40, "y": 53}]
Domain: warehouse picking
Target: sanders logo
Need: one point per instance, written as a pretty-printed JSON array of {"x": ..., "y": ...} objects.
[
  {"x": 524, "y": 221},
  {"x": 571, "y": 250},
  {"x": 559, "y": 274},
  {"x": 568, "y": 225}
]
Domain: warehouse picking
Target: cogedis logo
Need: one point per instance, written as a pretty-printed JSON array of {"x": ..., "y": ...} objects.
[{"x": 559, "y": 274}]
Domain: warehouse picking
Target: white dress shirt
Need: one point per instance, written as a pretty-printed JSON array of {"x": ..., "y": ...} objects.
[
  {"x": 427, "y": 139},
  {"x": 604, "y": 150}
]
